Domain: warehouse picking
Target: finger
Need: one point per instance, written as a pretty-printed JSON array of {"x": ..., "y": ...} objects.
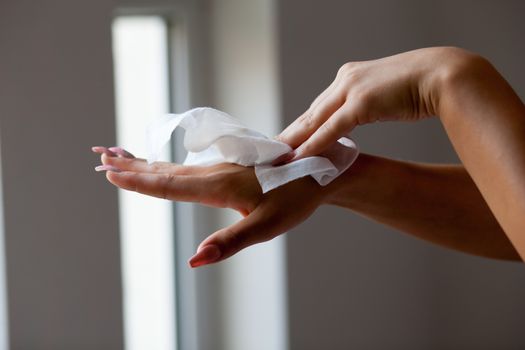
[
  {"x": 165, "y": 186},
  {"x": 103, "y": 150},
  {"x": 338, "y": 125},
  {"x": 302, "y": 128},
  {"x": 330, "y": 90},
  {"x": 121, "y": 152},
  {"x": 141, "y": 165},
  {"x": 107, "y": 167},
  {"x": 255, "y": 228}
]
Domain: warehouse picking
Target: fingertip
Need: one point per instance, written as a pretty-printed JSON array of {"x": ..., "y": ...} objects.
[
  {"x": 205, "y": 255},
  {"x": 316, "y": 144},
  {"x": 103, "y": 151},
  {"x": 106, "y": 167},
  {"x": 300, "y": 153},
  {"x": 121, "y": 152},
  {"x": 284, "y": 159},
  {"x": 306, "y": 150},
  {"x": 295, "y": 134}
]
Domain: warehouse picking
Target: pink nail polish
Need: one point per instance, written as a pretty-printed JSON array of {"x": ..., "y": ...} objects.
[
  {"x": 107, "y": 168},
  {"x": 121, "y": 152},
  {"x": 103, "y": 150},
  {"x": 206, "y": 255}
]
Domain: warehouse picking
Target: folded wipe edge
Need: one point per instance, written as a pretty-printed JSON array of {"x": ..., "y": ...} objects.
[{"x": 323, "y": 168}]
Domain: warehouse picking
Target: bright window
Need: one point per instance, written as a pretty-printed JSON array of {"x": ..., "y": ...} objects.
[{"x": 140, "y": 50}]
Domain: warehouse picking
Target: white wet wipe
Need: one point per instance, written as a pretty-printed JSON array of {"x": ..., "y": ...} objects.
[{"x": 213, "y": 137}]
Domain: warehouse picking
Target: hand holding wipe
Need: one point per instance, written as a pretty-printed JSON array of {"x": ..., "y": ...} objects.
[{"x": 213, "y": 137}]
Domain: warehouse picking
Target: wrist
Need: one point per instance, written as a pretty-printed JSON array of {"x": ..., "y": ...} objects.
[
  {"x": 369, "y": 183},
  {"x": 457, "y": 70},
  {"x": 349, "y": 188},
  {"x": 440, "y": 69}
]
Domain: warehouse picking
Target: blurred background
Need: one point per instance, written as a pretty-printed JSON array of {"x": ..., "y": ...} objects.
[{"x": 84, "y": 266}]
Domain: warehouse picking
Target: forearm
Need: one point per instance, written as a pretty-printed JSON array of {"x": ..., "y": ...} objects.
[
  {"x": 485, "y": 121},
  {"x": 437, "y": 203}
]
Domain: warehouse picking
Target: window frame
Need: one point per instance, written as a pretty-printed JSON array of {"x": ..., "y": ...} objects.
[{"x": 188, "y": 64}]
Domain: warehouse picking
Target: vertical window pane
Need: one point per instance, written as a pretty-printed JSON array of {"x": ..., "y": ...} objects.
[{"x": 141, "y": 90}]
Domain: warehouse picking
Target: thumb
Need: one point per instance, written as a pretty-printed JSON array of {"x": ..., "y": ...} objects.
[{"x": 255, "y": 228}]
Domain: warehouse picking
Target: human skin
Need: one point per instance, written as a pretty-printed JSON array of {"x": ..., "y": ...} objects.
[
  {"x": 475, "y": 207},
  {"x": 437, "y": 203},
  {"x": 482, "y": 115}
]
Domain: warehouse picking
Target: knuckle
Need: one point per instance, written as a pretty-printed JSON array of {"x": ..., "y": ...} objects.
[
  {"x": 346, "y": 68},
  {"x": 363, "y": 99},
  {"x": 350, "y": 75},
  {"x": 350, "y": 71},
  {"x": 306, "y": 119},
  {"x": 362, "y": 107},
  {"x": 331, "y": 129},
  {"x": 155, "y": 167}
]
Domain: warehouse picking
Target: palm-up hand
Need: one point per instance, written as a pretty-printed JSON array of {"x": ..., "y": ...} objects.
[{"x": 223, "y": 185}]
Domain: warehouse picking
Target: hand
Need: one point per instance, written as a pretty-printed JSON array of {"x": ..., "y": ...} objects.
[
  {"x": 223, "y": 185},
  {"x": 401, "y": 87}
]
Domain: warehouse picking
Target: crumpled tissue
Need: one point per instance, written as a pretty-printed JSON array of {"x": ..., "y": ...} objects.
[{"x": 213, "y": 137}]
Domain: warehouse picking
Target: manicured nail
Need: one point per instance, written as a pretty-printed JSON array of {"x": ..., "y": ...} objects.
[
  {"x": 107, "y": 167},
  {"x": 293, "y": 158},
  {"x": 103, "y": 150},
  {"x": 284, "y": 158},
  {"x": 206, "y": 255},
  {"x": 121, "y": 152}
]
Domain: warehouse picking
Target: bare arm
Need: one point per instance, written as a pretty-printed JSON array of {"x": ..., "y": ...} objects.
[
  {"x": 437, "y": 203},
  {"x": 444, "y": 204},
  {"x": 485, "y": 121},
  {"x": 483, "y": 117}
]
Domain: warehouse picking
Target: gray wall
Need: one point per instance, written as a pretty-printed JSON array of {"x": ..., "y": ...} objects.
[
  {"x": 61, "y": 219},
  {"x": 355, "y": 283}
]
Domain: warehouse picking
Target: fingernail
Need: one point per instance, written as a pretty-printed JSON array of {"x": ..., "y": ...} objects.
[
  {"x": 206, "y": 255},
  {"x": 104, "y": 150},
  {"x": 107, "y": 167},
  {"x": 284, "y": 158},
  {"x": 293, "y": 158},
  {"x": 121, "y": 152}
]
